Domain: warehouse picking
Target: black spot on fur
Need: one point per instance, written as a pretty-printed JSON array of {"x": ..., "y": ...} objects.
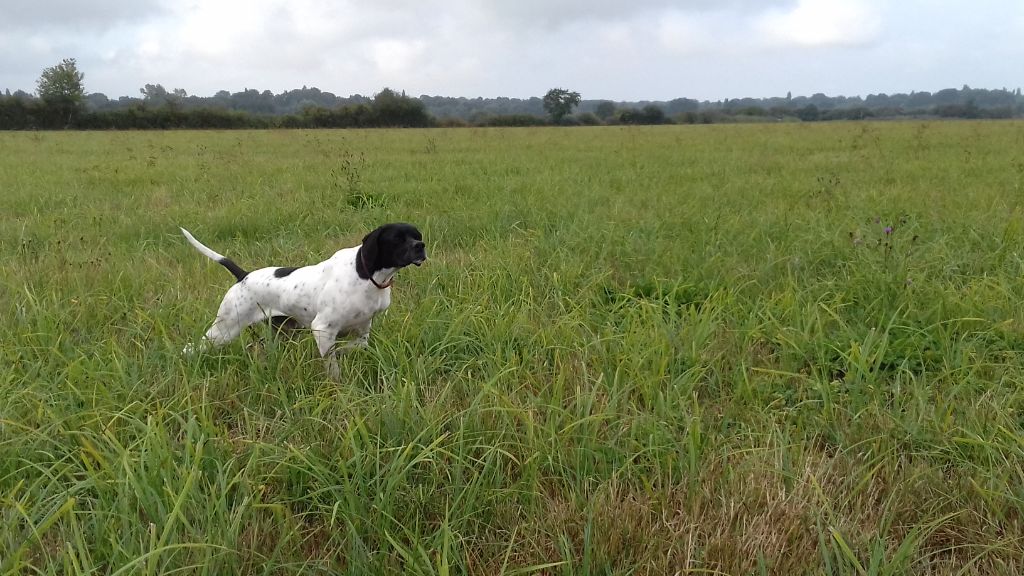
[{"x": 285, "y": 271}]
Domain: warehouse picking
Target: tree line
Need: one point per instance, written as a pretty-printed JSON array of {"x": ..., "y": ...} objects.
[{"x": 61, "y": 102}]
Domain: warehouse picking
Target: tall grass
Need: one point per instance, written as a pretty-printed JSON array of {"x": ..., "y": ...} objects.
[{"x": 697, "y": 350}]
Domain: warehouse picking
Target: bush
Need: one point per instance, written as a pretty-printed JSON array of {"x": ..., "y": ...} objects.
[
  {"x": 649, "y": 114},
  {"x": 164, "y": 118},
  {"x": 514, "y": 120},
  {"x": 451, "y": 122},
  {"x": 17, "y": 114},
  {"x": 388, "y": 109}
]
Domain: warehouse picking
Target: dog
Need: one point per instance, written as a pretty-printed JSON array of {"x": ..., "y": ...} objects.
[{"x": 335, "y": 298}]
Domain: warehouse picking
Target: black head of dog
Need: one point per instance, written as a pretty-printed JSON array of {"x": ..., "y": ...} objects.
[{"x": 390, "y": 246}]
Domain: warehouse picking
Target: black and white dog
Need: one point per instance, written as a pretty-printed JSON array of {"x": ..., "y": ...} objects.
[{"x": 336, "y": 298}]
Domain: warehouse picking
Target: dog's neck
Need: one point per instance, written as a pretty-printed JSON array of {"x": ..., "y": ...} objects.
[
  {"x": 387, "y": 278},
  {"x": 363, "y": 270}
]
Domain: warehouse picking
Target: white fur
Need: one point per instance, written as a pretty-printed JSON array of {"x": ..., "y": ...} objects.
[
  {"x": 203, "y": 249},
  {"x": 329, "y": 297}
]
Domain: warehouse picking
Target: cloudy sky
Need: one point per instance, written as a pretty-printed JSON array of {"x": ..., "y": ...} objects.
[{"x": 609, "y": 49}]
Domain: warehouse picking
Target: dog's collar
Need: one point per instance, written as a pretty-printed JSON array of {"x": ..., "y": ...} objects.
[
  {"x": 362, "y": 259},
  {"x": 384, "y": 285}
]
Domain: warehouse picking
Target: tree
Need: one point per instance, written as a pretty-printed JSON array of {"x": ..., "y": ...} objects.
[
  {"x": 605, "y": 110},
  {"x": 60, "y": 88},
  {"x": 96, "y": 101},
  {"x": 156, "y": 95},
  {"x": 809, "y": 113},
  {"x": 393, "y": 109},
  {"x": 559, "y": 102}
]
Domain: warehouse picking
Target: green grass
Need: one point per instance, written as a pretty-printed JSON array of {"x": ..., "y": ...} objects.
[{"x": 665, "y": 350}]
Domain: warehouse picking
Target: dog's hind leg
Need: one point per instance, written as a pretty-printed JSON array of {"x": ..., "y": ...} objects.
[{"x": 231, "y": 320}]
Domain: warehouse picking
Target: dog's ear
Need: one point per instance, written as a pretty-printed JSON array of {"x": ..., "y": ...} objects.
[{"x": 369, "y": 251}]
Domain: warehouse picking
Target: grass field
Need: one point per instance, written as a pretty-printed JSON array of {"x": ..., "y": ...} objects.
[{"x": 772, "y": 349}]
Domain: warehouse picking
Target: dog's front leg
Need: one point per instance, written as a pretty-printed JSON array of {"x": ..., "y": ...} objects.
[
  {"x": 331, "y": 350},
  {"x": 325, "y": 340},
  {"x": 224, "y": 330},
  {"x": 339, "y": 350}
]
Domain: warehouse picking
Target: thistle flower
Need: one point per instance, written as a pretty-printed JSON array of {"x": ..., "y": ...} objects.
[{"x": 888, "y": 230}]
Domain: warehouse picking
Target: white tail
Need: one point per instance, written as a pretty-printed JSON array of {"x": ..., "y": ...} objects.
[{"x": 206, "y": 251}]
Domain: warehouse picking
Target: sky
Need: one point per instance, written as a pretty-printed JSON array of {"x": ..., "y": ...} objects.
[{"x": 604, "y": 49}]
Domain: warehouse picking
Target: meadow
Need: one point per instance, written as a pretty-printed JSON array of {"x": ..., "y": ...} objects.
[{"x": 756, "y": 349}]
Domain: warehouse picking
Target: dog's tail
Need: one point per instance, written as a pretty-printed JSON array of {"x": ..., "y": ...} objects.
[{"x": 218, "y": 258}]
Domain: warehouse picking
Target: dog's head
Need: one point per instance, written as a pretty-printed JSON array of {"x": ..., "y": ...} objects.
[{"x": 392, "y": 246}]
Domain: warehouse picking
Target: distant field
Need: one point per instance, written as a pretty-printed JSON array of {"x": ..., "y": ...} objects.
[{"x": 759, "y": 349}]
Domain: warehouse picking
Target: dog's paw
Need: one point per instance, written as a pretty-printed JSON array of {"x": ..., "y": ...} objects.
[{"x": 332, "y": 368}]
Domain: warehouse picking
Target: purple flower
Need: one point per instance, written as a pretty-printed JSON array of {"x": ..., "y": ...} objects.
[{"x": 888, "y": 230}]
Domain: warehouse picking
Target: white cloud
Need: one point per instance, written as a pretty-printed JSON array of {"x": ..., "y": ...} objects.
[
  {"x": 692, "y": 33},
  {"x": 559, "y": 13},
  {"x": 822, "y": 23},
  {"x": 393, "y": 56},
  {"x": 641, "y": 49}
]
